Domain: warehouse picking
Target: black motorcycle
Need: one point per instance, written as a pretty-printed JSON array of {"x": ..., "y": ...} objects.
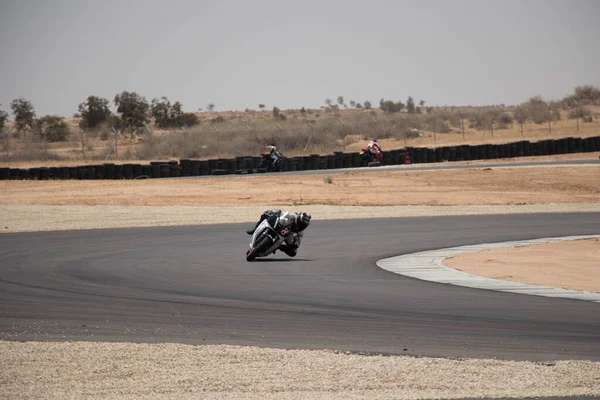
[{"x": 272, "y": 164}]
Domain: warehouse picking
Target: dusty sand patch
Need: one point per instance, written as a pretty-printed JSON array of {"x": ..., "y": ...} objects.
[
  {"x": 568, "y": 265},
  {"x": 173, "y": 371},
  {"x": 393, "y": 188},
  {"x": 32, "y": 218}
]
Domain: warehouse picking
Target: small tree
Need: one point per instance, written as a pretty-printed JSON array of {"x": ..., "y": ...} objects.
[
  {"x": 276, "y": 113},
  {"x": 328, "y": 102},
  {"x": 410, "y": 105},
  {"x": 160, "y": 110},
  {"x": 210, "y": 107},
  {"x": 133, "y": 110},
  {"x": 52, "y": 128},
  {"x": 94, "y": 111},
  {"x": 303, "y": 111},
  {"x": 340, "y": 100},
  {"x": 261, "y": 106},
  {"x": 352, "y": 104},
  {"x": 24, "y": 114},
  {"x": 367, "y": 104},
  {"x": 358, "y": 105},
  {"x": 3, "y": 118}
]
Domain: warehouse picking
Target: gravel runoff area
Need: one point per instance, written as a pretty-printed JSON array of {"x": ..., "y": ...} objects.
[
  {"x": 174, "y": 371},
  {"x": 32, "y": 218}
]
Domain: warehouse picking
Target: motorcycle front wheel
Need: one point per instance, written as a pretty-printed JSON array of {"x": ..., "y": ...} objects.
[{"x": 262, "y": 246}]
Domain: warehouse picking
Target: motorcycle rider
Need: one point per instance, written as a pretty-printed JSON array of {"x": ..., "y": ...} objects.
[
  {"x": 274, "y": 155},
  {"x": 300, "y": 222},
  {"x": 375, "y": 150}
]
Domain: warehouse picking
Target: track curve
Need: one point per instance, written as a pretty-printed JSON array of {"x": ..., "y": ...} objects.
[{"x": 193, "y": 285}]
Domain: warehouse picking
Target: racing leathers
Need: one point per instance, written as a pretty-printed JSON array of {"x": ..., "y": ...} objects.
[{"x": 292, "y": 241}]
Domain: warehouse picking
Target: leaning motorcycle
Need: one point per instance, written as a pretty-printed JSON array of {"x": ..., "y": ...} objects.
[
  {"x": 269, "y": 235},
  {"x": 272, "y": 164}
]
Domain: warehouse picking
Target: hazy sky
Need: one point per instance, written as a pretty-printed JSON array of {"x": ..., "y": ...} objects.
[{"x": 238, "y": 54}]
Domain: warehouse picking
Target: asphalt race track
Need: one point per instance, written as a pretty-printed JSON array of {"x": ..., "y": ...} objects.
[{"x": 193, "y": 285}]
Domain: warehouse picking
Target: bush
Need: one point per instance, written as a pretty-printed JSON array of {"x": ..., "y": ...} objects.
[
  {"x": 580, "y": 112},
  {"x": 587, "y": 94},
  {"x": 188, "y": 119},
  {"x": 505, "y": 120},
  {"x": 52, "y": 128}
]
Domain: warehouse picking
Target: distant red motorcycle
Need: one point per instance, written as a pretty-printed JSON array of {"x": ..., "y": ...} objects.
[{"x": 367, "y": 157}]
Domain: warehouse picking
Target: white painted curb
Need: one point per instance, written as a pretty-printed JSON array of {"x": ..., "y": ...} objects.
[{"x": 429, "y": 266}]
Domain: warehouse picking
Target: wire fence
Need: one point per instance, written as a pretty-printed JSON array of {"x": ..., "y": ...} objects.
[{"x": 315, "y": 131}]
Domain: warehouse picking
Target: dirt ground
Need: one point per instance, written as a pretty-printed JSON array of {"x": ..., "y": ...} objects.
[
  {"x": 398, "y": 188},
  {"x": 568, "y": 265}
]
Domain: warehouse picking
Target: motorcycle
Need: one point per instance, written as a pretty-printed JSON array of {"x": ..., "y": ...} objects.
[
  {"x": 272, "y": 164},
  {"x": 269, "y": 235},
  {"x": 366, "y": 157}
]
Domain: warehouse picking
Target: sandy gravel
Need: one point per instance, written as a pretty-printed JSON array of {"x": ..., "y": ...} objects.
[
  {"x": 16, "y": 218},
  {"x": 568, "y": 265},
  {"x": 171, "y": 371},
  {"x": 400, "y": 188}
]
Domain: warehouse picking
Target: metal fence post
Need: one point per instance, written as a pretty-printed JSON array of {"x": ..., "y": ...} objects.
[
  {"x": 116, "y": 143},
  {"x": 549, "y": 120},
  {"x": 7, "y": 143},
  {"x": 462, "y": 123},
  {"x": 280, "y": 133},
  {"x": 577, "y": 115},
  {"x": 491, "y": 122},
  {"x": 218, "y": 139},
  {"x": 521, "y": 119},
  {"x": 82, "y": 143}
]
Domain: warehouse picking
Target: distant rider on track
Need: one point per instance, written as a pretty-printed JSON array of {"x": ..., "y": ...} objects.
[{"x": 375, "y": 150}]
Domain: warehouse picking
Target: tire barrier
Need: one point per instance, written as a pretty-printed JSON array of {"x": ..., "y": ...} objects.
[
  {"x": 4, "y": 174},
  {"x": 165, "y": 171},
  {"x": 185, "y": 167},
  {"x": 195, "y": 167},
  {"x": 174, "y": 170},
  {"x": 330, "y": 161},
  {"x": 314, "y": 161},
  {"x": 231, "y": 165},
  {"x": 322, "y": 162},
  {"x": 204, "y": 167},
  {"x": 155, "y": 167},
  {"x": 109, "y": 171},
  {"x": 128, "y": 171},
  {"x": 147, "y": 170},
  {"x": 242, "y": 165},
  {"x": 34, "y": 174},
  {"x": 100, "y": 171},
  {"x": 338, "y": 159}
]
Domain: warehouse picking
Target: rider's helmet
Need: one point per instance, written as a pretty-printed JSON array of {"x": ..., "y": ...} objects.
[
  {"x": 302, "y": 221},
  {"x": 271, "y": 148}
]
